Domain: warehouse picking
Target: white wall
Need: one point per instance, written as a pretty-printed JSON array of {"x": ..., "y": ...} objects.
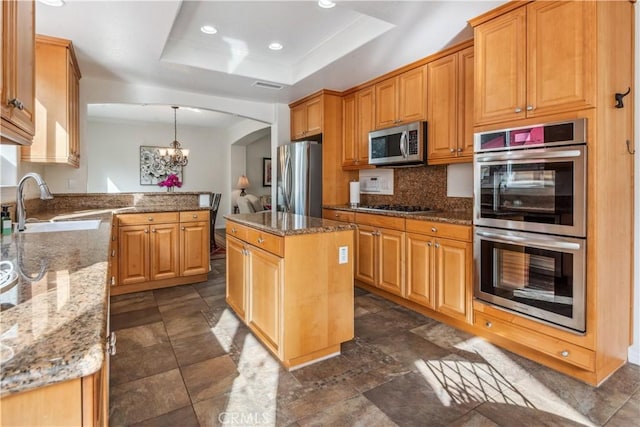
[{"x": 255, "y": 152}]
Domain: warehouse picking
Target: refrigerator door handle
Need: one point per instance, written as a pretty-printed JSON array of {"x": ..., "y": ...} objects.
[{"x": 286, "y": 181}]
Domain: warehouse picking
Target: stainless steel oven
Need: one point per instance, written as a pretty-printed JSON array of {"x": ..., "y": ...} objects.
[
  {"x": 541, "y": 190},
  {"x": 541, "y": 276}
]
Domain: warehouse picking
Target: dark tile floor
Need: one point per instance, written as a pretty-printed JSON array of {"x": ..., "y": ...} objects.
[{"x": 184, "y": 359}]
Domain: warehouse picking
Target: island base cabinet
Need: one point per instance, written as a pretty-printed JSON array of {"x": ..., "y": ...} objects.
[{"x": 294, "y": 292}]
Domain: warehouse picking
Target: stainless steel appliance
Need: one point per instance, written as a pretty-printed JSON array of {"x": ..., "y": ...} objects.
[
  {"x": 399, "y": 145},
  {"x": 299, "y": 178},
  {"x": 530, "y": 220}
]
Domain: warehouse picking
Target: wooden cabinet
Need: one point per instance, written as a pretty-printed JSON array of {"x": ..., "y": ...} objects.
[
  {"x": 380, "y": 246},
  {"x": 535, "y": 60},
  {"x": 17, "y": 76},
  {"x": 268, "y": 288},
  {"x": 400, "y": 99},
  {"x": 450, "y": 108},
  {"x": 306, "y": 118},
  {"x": 439, "y": 267},
  {"x": 357, "y": 120},
  {"x": 160, "y": 249},
  {"x": 57, "y": 93}
]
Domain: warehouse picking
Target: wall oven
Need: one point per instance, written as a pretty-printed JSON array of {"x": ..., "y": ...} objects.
[{"x": 530, "y": 221}]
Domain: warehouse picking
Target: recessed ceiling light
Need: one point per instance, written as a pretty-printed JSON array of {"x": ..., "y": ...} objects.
[
  {"x": 208, "y": 29},
  {"x": 54, "y": 3},
  {"x": 326, "y": 4},
  {"x": 275, "y": 46}
]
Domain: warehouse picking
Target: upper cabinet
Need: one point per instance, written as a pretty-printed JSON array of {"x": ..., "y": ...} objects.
[
  {"x": 17, "y": 71},
  {"x": 536, "y": 60},
  {"x": 57, "y": 93},
  {"x": 306, "y": 118},
  {"x": 400, "y": 99},
  {"x": 357, "y": 120},
  {"x": 450, "y": 108}
]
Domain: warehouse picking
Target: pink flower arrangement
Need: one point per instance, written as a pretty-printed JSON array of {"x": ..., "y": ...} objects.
[{"x": 171, "y": 181}]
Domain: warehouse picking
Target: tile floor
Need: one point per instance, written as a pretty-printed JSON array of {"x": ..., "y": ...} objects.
[{"x": 184, "y": 359}]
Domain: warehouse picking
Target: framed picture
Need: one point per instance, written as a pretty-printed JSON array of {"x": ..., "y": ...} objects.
[
  {"x": 154, "y": 167},
  {"x": 266, "y": 171}
]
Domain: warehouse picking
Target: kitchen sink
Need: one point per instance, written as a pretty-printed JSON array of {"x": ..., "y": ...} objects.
[{"x": 53, "y": 226}]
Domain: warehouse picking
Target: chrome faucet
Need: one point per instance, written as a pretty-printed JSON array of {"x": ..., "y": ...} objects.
[{"x": 45, "y": 194}]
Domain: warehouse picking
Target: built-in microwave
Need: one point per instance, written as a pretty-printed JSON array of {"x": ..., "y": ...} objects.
[{"x": 399, "y": 145}]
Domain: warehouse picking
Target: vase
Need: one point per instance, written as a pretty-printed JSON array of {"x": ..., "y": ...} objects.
[{"x": 170, "y": 189}]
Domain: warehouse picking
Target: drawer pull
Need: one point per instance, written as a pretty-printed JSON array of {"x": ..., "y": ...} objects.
[
  {"x": 260, "y": 240},
  {"x": 195, "y": 215},
  {"x": 150, "y": 218},
  {"x": 488, "y": 324},
  {"x": 233, "y": 230},
  {"x": 564, "y": 353},
  {"x": 434, "y": 230}
]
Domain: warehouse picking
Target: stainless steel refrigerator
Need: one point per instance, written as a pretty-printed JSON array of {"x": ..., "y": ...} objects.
[{"x": 300, "y": 178}]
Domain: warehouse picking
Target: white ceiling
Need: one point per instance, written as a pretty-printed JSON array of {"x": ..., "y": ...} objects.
[{"x": 159, "y": 43}]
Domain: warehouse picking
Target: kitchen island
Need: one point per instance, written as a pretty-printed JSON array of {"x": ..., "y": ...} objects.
[{"x": 290, "y": 279}]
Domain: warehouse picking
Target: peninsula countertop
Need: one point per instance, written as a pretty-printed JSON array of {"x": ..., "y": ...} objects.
[
  {"x": 461, "y": 216},
  {"x": 286, "y": 224}
]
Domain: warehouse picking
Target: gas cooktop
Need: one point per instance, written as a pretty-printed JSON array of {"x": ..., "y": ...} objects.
[{"x": 410, "y": 209}]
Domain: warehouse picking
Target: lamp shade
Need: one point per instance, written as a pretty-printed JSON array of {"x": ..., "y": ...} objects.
[{"x": 243, "y": 182}]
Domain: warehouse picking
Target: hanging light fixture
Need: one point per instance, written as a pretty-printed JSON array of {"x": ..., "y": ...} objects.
[{"x": 175, "y": 156}]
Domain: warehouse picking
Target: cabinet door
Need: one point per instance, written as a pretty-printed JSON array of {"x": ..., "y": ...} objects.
[
  {"x": 236, "y": 276},
  {"x": 349, "y": 130},
  {"x": 412, "y": 99},
  {"x": 420, "y": 271},
  {"x": 365, "y": 123},
  {"x": 386, "y": 103},
  {"x": 194, "y": 248},
  {"x": 265, "y": 276},
  {"x": 560, "y": 56},
  {"x": 453, "y": 278},
  {"x": 500, "y": 68},
  {"x": 391, "y": 260},
  {"x": 366, "y": 250},
  {"x": 314, "y": 116},
  {"x": 298, "y": 121},
  {"x": 442, "y": 107},
  {"x": 163, "y": 251},
  {"x": 133, "y": 241},
  {"x": 465, "y": 103},
  {"x": 18, "y": 83}
]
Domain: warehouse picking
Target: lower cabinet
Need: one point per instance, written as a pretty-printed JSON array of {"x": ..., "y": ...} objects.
[
  {"x": 381, "y": 258},
  {"x": 300, "y": 310},
  {"x": 159, "y": 249}
]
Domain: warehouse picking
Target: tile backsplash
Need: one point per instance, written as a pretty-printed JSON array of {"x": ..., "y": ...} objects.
[{"x": 422, "y": 185}]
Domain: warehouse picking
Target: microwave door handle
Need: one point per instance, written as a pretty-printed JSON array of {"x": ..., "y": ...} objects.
[
  {"x": 529, "y": 156},
  {"x": 546, "y": 244},
  {"x": 403, "y": 144}
]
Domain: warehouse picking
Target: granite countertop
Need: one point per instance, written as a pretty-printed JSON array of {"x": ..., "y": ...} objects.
[
  {"x": 286, "y": 224},
  {"x": 461, "y": 217},
  {"x": 53, "y": 319}
]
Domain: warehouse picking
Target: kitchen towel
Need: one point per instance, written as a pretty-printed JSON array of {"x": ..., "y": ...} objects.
[{"x": 354, "y": 193}]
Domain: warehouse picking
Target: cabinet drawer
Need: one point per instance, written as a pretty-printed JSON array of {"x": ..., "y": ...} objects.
[
  {"x": 561, "y": 350},
  {"x": 336, "y": 215},
  {"x": 236, "y": 230},
  {"x": 268, "y": 242},
  {"x": 392, "y": 222},
  {"x": 148, "y": 218},
  {"x": 440, "y": 229},
  {"x": 187, "y": 216}
]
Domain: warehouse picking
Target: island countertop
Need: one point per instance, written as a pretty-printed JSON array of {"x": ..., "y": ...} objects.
[{"x": 286, "y": 224}]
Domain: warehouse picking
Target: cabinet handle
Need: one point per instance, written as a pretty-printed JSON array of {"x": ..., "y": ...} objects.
[
  {"x": 260, "y": 240},
  {"x": 146, "y": 231},
  {"x": 429, "y": 244},
  {"x": 564, "y": 353},
  {"x": 195, "y": 215},
  {"x": 434, "y": 230},
  {"x": 113, "y": 238},
  {"x": 488, "y": 324},
  {"x": 113, "y": 253},
  {"x": 111, "y": 344},
  {"x": 150, "y": 218},
  {"x": 437, "y": 245},
  {"x": 233, "y": 230},
  {"x": 530, "y": 108},
  {"x": 460, "y": 150},
  {"x": 15, "y": 102},
  {"x": 182, "y": 228},
  {"x": 453, "y": 150},
  {"x": 518, "y": 110},
  {"x": 113, "y": 281}
]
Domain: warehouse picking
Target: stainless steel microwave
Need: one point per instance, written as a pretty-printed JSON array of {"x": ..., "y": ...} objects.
[{"x": 399, "y": 145}]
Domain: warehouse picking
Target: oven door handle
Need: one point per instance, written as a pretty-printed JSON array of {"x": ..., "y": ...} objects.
[
  {"x": 403, "y": 144},
  {"x": 541, "y": 243},
  {"x": 528, "y": 156}
]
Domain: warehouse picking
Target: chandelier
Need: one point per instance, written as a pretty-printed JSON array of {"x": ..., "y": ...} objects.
[{"x": 175, "y": 156}]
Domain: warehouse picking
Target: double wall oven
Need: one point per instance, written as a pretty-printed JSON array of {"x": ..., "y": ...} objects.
[{"x": 530, "y": 221}]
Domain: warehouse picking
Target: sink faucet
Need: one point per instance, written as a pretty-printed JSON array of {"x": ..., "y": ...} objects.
[{"x": 45, "y": 194}]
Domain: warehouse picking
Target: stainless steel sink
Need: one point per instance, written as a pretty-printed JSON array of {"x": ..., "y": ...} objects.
[{"x": 53, "y": 226}]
